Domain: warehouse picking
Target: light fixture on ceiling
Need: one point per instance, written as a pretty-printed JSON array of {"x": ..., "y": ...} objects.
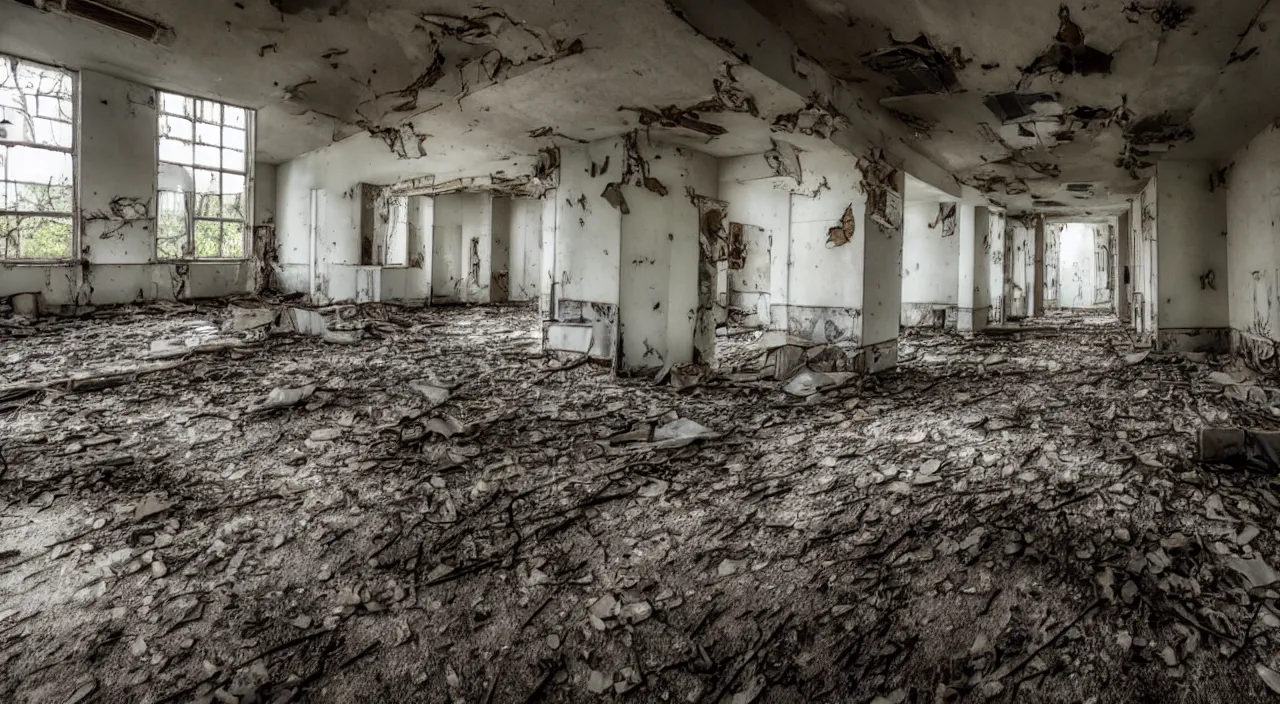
[{"x": 107, "y": 16}]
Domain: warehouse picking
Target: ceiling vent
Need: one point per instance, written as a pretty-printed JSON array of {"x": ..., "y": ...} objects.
[{"x": 107, "y": 16}]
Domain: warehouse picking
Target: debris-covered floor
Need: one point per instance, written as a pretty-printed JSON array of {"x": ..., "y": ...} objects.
[{"x": 436, "y": 513}]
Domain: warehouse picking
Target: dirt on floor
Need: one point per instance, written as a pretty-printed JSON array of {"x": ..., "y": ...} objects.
[{"x": 200, "y": 505}]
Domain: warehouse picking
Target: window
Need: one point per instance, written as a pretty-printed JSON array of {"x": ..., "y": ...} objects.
[
  {"x": 203, "y": 200},
  {"x": 37, "y": 161}
]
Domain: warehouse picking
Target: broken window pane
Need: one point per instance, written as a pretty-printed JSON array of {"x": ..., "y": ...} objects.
[
  {"x": 35, "y": 236},
  {"x": 208, "y": 238},
  {"x": 171, "y": 225},
  {"x": 233, "y": 239}
]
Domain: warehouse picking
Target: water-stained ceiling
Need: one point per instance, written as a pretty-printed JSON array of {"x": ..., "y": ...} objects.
[{"x": 1056, "y": 107}]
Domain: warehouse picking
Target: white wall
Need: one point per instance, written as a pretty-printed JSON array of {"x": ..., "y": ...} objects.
[
  {"x": 1193, "y": 269},
  {"x": 1253, "y": 239},
  {"x": 930, "y": 262},
  {"x": 525, "y": 265},
  {"x": 447, "y": 257},
  {"x": 117, "y": 160}
]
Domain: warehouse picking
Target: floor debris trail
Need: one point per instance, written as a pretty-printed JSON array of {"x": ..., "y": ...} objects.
[{"x": 429, "y": 510}]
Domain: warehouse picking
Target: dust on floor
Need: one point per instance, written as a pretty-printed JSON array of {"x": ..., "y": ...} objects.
[{"x": 436, "y": 513}]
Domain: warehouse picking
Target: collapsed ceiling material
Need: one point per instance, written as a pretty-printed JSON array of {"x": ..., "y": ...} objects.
[{"x": 1018, "y": 99}]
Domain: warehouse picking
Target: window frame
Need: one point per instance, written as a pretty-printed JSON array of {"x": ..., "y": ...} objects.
[
  {"x": 250, "y": 149},
  {"x": 73, "y": 151}
]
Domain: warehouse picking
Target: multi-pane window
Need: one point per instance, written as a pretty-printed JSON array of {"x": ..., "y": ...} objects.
[
  {"x": 37, "y": 160},
  {"x": 203, "y": 201}
]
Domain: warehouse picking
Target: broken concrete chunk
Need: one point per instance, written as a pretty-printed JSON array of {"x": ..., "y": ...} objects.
[
  {"x": 1257, "y": 571},
  {"x": 284, "y": 398},
  {"x": 809, "y": 382},
  {"x": 434, "y": 393},
  {"x": 604, "y": 606},
  {"x": 681, "y": 432},
  {"x": 1222, "y": 379},
  {"x": 448, "y": 426},
  {"x": 1136, "y": 358},
  {"x": 150, "y": 505}
]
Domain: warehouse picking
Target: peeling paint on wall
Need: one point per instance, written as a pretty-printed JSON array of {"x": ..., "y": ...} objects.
[
  {"x": 843, "y": 232},
  {"x": 784, "y": 159},
  {"x": 884, "y": 201}
]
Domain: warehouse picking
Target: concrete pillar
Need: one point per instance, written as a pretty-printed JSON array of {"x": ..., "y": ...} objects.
[
  {"x": 446, "y": 248},
  {"x": 477, "y": 247},
  {"x": 930, "y": 260},
  {"x": 1038, "y": 280},
  {"x": 882, "y": 278},
  {"x": 997, "y": 256},
  {"x": 500, "y": 252},
  {"x": 974, "y": 294},
  {"x": 1053, "y": 265},
  {"x": 524, "y": 265},
  {"x": 844, "y": 256},
  {"x": 1124, "y": 268},
  {"x": 637, "y": 225}
]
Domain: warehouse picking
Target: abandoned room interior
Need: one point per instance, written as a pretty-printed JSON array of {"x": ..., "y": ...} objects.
[{"x": 644, "y": 350}]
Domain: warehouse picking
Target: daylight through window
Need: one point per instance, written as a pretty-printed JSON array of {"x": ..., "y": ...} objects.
[
  {"x": 37, "y": 160},
  {"x": 204, "y": 179}
]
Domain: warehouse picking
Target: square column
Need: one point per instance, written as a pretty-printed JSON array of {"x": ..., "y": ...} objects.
[
  {"x": 1038, "y": 279},
  {"x": 974, "y": 294},
  {"x": 841, "y": 288},
  {"x": 636, "y": 234}
]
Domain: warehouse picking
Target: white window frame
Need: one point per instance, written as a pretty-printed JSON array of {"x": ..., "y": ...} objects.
[
  {"x": 250, "y": 147},
  {"x": 73, "y": 151}
]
